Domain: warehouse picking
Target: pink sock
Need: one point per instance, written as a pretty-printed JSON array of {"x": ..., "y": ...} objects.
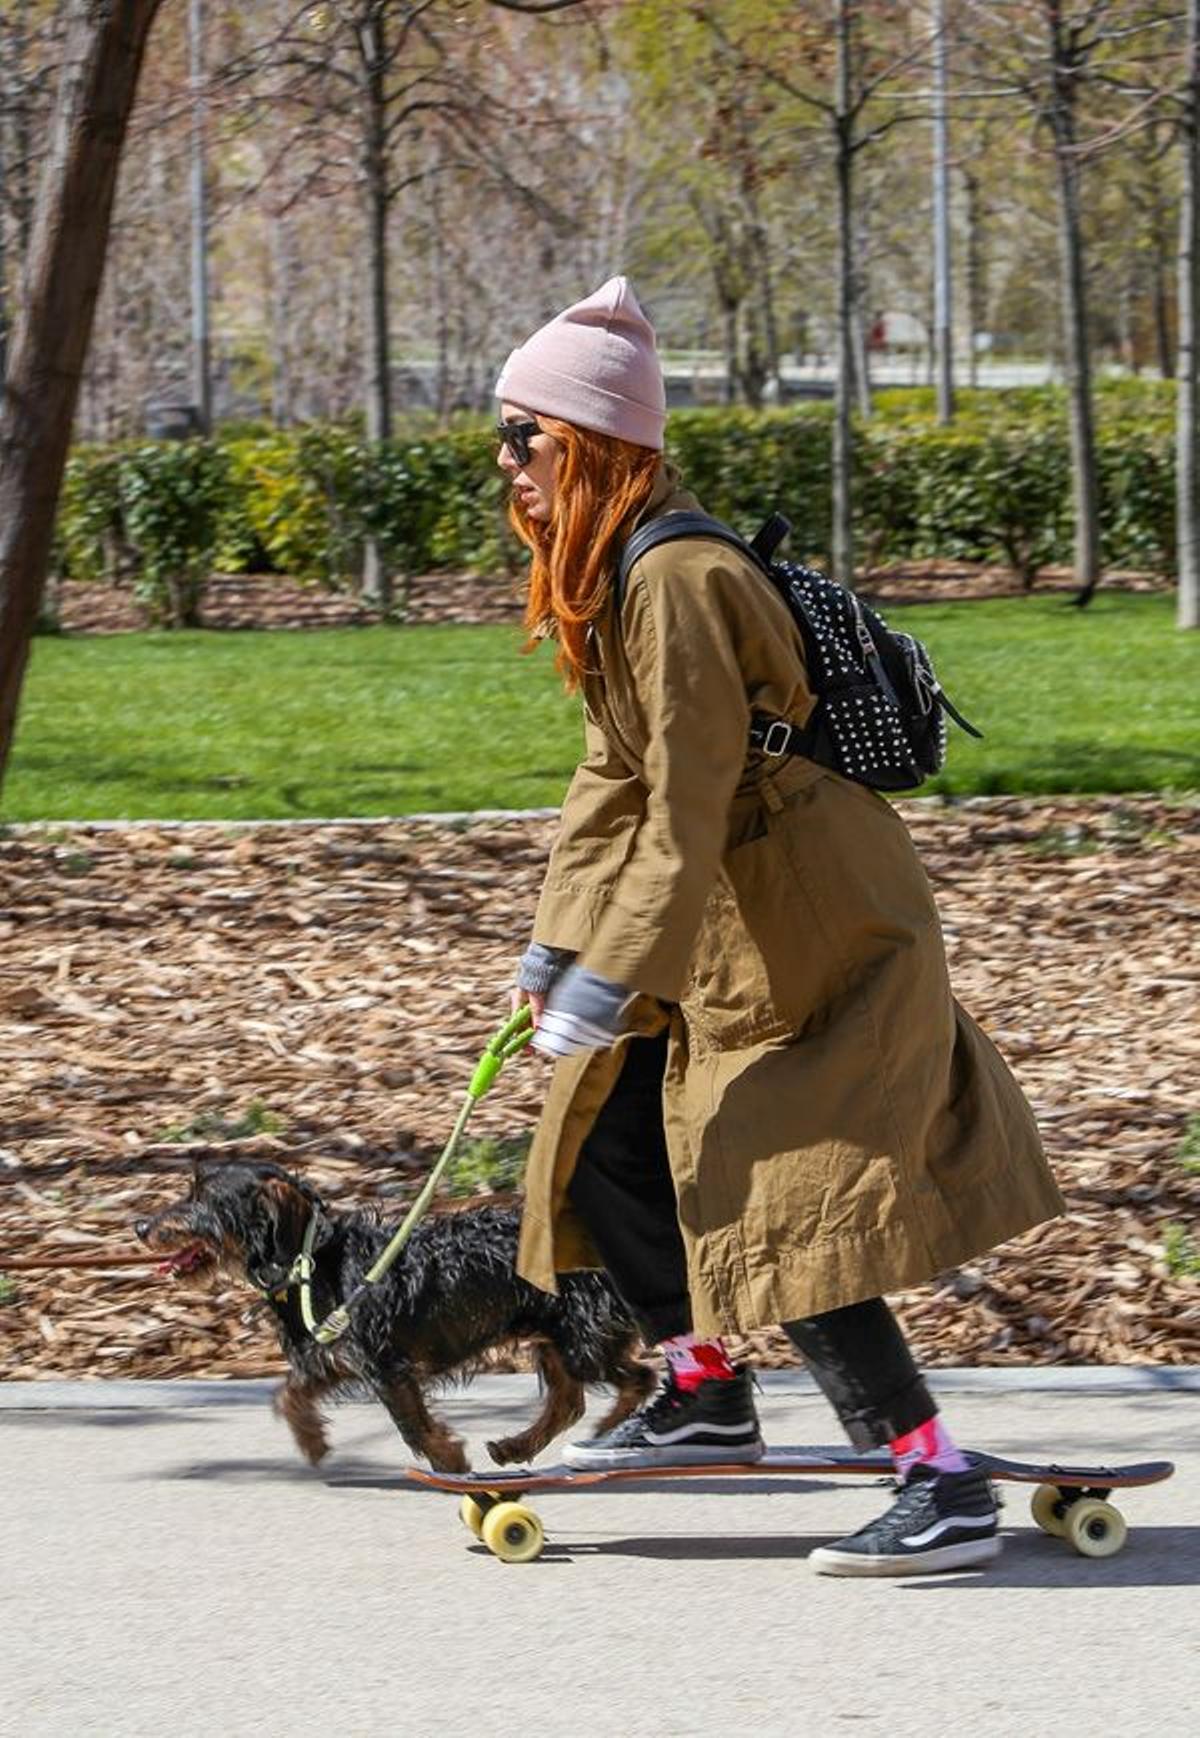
[
  {"x": 930, "y": 1444},
  {"x": 692, "y": 1361}
]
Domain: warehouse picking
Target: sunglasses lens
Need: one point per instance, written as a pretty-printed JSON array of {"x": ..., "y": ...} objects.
[{"x": 515, "y": 436}]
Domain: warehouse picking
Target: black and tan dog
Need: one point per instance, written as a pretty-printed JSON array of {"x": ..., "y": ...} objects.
[{"x": 451, "y": 1297}]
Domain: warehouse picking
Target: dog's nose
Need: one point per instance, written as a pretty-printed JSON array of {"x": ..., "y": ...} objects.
[{"x": 141, "y": 1228}]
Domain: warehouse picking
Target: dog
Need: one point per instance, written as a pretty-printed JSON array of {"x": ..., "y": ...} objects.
[{"x": 452, "y": 1296}]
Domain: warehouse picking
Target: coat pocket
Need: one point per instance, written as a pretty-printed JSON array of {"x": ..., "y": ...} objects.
[{"x": 761, "y": 968}]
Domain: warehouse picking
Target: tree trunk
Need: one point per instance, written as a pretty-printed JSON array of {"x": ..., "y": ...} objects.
[
  {"x": 101, "y": 63},
  {"x": 1162, "y": 322},
  {"x": 3, "y": 256},
  {"x": 22, "y": 135},
  {"x": 1162, "y": 317},
  {"x": 765, "y": 318},
  {"x": 974, "y": 262},
  {"x": 733, "y": 361},
  {"x": 282, "y": 275},
  {"x": 14, "y": 165},
  {"x": 441, "y": 288},
  {"x": 1186, "y": 480},
  {"x": 864, "y": 401},
  {"x": 727, "y": 283},
  {"x": 201, "y": 342},
  {"x": 943, "y": 342},
  {"x": 766, "y": 284},
  {"x": 377, "y": 581},
  {"x": 1076, "y": 345},
  {"x": 843, "y": 438}
]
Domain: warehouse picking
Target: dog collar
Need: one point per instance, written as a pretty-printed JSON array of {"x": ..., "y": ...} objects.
[{"x": 301, "y": 1273}]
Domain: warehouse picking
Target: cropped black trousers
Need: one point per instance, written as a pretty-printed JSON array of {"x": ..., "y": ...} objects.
[{"x": 623, "y": 1192}]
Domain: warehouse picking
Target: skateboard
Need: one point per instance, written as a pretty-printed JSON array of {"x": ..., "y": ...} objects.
[{"x": 1070, "y": 1502}]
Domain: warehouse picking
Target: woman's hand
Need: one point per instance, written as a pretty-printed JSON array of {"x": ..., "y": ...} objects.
[
  {"x": 536, "y": 1003},
  {"x": 537, "y": 971}
]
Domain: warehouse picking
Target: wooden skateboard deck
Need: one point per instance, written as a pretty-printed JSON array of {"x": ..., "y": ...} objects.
[{"x": 1069, "y": 1502}]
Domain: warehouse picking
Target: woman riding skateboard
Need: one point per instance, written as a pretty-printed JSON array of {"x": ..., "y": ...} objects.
[{"x": 767, "y": 1106}]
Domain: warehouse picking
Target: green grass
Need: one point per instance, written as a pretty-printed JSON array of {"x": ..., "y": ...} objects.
[
  {"x": 1189, "y": 1147},
  {"x": 493, "y": 1162},
  {"x": 1181, "y": 1252},
  {"x": 213, "y": 1125},
  {"x": 375, "y": 721}
]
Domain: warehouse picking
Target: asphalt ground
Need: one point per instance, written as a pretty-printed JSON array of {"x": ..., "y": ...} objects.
[{"x": 169, "y": 1565}]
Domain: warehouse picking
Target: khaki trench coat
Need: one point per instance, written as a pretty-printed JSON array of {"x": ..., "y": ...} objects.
[{"x": 837, "y": 1126}]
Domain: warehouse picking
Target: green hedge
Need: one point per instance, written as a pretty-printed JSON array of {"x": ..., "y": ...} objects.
[{"x": 994, "y": 487}]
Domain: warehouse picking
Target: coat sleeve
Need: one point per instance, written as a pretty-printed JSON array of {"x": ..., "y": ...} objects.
[
  {"x": 601, "y": 813},
  {"x": 681, "y": 634}
]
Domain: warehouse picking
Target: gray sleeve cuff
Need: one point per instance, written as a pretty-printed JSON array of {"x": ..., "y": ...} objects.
[
  {"x": 540, "y": 965},
  {"x": 592, "y": 998}
]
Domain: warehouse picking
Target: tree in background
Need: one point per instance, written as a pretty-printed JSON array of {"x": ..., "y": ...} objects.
[
  {"x": 714, "y": 155},
  {"x": 1056, "y": 55},
  {"x": 400, "y": 94},
  {"x": 538, "y": 147},
  {"x": 836, "y": 75},
  {"x": 102, "y": 58},
  {"x": 1187, "y": 461},
  {"x": 707, "y": 172}
]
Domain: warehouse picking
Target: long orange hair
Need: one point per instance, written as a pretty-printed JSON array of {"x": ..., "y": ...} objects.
[{"x": 602, "y": 485}]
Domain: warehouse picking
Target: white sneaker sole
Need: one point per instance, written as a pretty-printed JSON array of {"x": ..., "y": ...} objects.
[
  {"x": 580, "y": 1457},
  {"x": 965, "y": 1555}
]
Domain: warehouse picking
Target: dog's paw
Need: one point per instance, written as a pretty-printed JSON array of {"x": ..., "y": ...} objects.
[
  {"x": 313, "y": 1448},
  {"x": 448, "y": 1460}
]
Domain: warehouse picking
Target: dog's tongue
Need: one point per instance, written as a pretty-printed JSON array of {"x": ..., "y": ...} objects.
[{"x": 183, "y": 1260}]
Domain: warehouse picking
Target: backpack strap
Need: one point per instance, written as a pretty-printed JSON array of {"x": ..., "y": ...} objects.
[{"x": 670, "y": 527}]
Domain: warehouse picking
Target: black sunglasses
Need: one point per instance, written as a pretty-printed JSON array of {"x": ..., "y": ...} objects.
[{"x": 516, "y": 436}]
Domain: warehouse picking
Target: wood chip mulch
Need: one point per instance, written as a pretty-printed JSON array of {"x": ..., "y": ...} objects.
[
  {"x": 241, "y": 601},
  {"x": 237, "y": 601},
  {"x": 163, "y": 989}
]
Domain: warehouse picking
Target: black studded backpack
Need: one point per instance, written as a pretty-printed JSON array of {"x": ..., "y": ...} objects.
[{"x": 880, "y": 712}]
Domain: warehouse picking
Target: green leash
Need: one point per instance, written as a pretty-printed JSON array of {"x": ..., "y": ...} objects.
[{"x": 501, "y": 1048}]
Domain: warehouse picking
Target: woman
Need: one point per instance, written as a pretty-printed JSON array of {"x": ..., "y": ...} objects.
[{"x": 767, "y": 1106}]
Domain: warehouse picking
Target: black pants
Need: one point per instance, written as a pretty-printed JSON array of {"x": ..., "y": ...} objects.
[{"x": 623, "y": 1191}]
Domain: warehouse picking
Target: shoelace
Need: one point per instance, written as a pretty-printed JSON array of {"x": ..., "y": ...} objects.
[
  {"x": 667, "y": 1400},
  {"x": 910, "y": 1494}
]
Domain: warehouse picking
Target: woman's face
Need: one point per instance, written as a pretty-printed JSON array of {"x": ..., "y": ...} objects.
[{"x": 534, "y": 481}]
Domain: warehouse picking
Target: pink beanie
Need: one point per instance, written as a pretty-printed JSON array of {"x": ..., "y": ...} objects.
[{"x": 594, "y": 365}]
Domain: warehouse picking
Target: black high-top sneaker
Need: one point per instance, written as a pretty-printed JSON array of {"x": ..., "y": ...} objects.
[
  {"x": 711, "y": 1423},
  {"x": 940, "y": 1520}
]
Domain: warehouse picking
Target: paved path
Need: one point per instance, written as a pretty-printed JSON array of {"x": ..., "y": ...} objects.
[{"x": 176, "y": 1570}]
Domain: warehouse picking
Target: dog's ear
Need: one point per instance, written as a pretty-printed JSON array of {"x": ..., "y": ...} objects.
[
  {"x": 309, "y": 1193},
  {"x": 288, "y": 1211}
]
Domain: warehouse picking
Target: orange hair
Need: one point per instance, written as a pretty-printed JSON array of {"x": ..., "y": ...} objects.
[{"x": 602, "y": 485}]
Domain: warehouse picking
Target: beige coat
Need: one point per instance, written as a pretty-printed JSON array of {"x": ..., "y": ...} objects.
[{"x": 838, "y": 1127}]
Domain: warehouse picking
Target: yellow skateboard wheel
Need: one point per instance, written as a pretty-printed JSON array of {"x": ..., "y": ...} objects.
[
  {"x": 1095, "y": 1528},
  {"x": 1043, "y": 1506},
  {"x": 513, "y": 1533},
  {"x": 471, "y": 1516}
]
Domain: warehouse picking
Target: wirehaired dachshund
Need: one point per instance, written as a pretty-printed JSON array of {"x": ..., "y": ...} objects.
[{"x": 452, "y": 1296}]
